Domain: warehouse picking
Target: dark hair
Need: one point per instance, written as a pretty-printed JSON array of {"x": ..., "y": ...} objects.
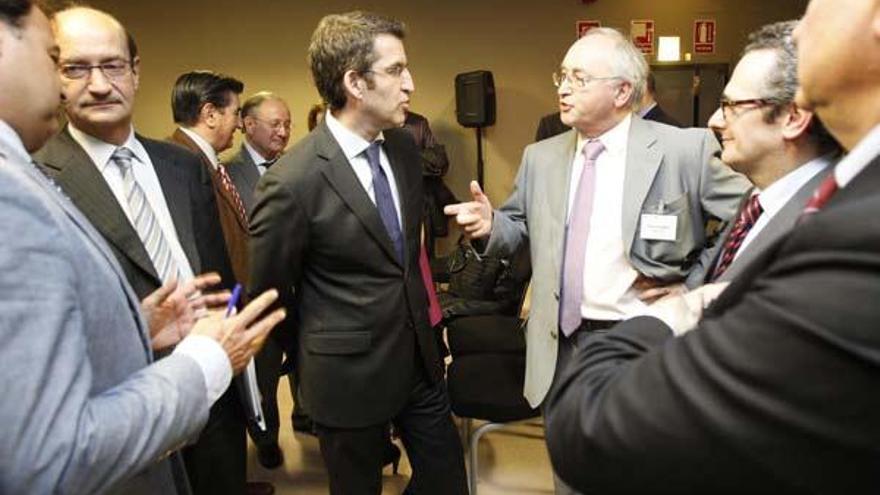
[
  {"x": 781, "y": 83},
  {"x": 194, "y": 90},
  {"x": 11, "y": 11},
  {"x": 344, "y": 42},
  {"x": 316, "y": 112}
]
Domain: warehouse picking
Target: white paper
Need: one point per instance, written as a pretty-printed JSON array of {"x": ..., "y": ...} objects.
[{"x": 658, "y": 227}]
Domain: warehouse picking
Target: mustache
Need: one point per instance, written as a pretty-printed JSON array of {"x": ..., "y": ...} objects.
[{"x": 95, "y": 103}]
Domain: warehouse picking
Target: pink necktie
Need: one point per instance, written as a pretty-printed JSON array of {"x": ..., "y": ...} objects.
[
  {"x": 821, "y": 195},
  {"x": 576, "y": 241},
  {"x": 435, "y": 314}
]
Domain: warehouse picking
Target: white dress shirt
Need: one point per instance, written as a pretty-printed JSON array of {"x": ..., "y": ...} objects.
[
  {"x": 858, "y": 158},
  {"x": 353, "y": 146},
  {"x": 203, "y": 145},
  {"x": 256, "y": 157},
  {"x": 608, "y": 274},
  {"x": 142, "y": 167},
  {"x": 780, "y": 192}
]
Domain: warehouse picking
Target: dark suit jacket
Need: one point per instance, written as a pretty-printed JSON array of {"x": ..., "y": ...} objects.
[
  {"x": 245, "y": 175},
  {"x": 358, "y": 316},
  {"x": 235, "y": 229},
  {"x": 187, "y": 193},
  {"x": 657, "y": 114},
  {"x": 783, "y": 221},
  {"x": 775, "y": 391},
  {"x": 549, "y": 126}
]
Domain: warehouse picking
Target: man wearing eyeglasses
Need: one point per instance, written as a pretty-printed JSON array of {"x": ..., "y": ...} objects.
[
  {"x": 152, "y": 201},
  {"x": 783, "y": 149},
  {"x": 266, "y": 125},
  {"x": 336, "y": 228},
  {"x": 615, "y": 212}
]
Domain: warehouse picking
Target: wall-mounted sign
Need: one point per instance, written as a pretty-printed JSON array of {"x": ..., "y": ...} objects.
[
  {"x": 584, "y": 26},
  {"x": 704, "y": 36},
  {"x": 641, "y": 32}
]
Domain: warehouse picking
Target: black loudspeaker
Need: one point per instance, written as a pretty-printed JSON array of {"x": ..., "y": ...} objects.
[{"x": 475, "y": 99}]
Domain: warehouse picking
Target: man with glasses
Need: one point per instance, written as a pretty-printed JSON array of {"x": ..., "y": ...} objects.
[
  {"x": 151, "y": 201},
  {"x": 782, "y": 148},
  {"x": 614, "y": 212},
  {"x": 336, "y": 228},
  {"x": 266, "y": 125}
]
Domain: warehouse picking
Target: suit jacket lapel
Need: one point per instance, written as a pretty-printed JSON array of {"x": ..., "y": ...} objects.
[
  {"x": 402, "y": 172},
  {"x": 342, "y": 178},
  {"x": 88, "y": 230},
  {"x": 249, "y": 170},
  {"x": 642, "y": 162},
  {"x": 88, "y": 189},
  {"x": 558, "y": 176},
  {"x": 175, "y": 189}
]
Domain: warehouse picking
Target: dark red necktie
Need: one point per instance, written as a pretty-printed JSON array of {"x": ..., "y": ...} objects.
[
  {"x": 744, "y": 223},
  {"x": 821, "y": 195}
]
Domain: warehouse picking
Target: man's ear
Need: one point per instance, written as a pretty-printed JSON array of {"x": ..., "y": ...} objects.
[
  {"x": 354, "y": 84},
  {"x": 796, "y": 122},
  {"x": 623, "y": 95},
  {"x": 208, "y": 115},
  {"x": 136, "y": 72}
]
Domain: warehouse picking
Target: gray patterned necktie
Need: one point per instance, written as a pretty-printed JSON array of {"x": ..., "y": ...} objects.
[{"x": 144, "y": 219}]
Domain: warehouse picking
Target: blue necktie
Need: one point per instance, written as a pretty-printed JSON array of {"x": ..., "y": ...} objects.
[{"x": 384, "y": 200}]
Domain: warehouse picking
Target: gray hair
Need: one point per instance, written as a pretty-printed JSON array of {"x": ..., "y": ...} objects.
[
  {"x": 782, "y": 81},
  {"x": 249, "y": 106},
  {"x": 627, "y": 62}
]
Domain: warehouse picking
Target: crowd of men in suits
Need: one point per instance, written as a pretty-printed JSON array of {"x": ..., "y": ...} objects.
[{"x": 702, "y": 316}]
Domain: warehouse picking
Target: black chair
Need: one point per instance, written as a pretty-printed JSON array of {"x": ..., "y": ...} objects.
[{"x": 485, "y": 377}]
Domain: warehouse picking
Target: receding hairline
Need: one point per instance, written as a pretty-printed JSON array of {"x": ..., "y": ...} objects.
[{"x": 85, "y": 16}]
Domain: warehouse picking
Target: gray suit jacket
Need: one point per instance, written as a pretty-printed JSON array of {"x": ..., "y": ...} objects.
[
  {"x": 783, "y": 221},
  {"x": 245, "y": 176},
  {"x": 85, "y": 411},
  {"x": 664, "y": 165}
]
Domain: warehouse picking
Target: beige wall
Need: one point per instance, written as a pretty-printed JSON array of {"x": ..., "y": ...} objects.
[{"x": 264, "y": 42}]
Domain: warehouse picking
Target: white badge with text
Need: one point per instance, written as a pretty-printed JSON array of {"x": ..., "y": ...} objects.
[{"x": 658, "y": 227}]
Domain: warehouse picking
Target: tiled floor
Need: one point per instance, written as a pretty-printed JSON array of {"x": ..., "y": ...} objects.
[{"x": 512, "y": 461}]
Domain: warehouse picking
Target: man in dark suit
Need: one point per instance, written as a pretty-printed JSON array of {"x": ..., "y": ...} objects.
[
  {"x": 97, "y": 157},
  {"x": 650, "y": 109},
  {"x": 336, "y": 228},
  {"x": 784, "y": 150},
  {"x": 266, "y": 125},
  {"x": 774, "y": 390}
]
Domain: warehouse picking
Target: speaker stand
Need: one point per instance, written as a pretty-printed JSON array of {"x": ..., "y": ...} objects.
[{"x": 480, "y": 157}]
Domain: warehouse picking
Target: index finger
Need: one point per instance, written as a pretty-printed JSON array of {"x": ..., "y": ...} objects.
[{"x": 256, "y": 307}]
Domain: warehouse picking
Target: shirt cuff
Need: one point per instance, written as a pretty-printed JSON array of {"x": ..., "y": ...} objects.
[{"x": 212, "y": 360}]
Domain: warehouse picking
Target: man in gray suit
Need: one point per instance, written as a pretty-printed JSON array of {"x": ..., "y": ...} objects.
[
  {"x": 782, "y": 148},
  {"x": 266, "y": 122},
  {"x": 634, "y": 219},
  {"x": 87, "y": 410}
]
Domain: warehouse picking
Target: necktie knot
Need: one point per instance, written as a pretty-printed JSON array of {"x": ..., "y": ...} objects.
[
  {"x": 122, "y": 158},
  {"x": 373, "y": 155},
  {"x": 592, "y": 149}
]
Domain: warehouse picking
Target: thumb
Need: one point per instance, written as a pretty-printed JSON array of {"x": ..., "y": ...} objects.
[{"x": 477, "y": 192}]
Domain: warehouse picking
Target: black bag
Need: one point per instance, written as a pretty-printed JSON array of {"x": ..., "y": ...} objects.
[{"x": 472, "y": 276}]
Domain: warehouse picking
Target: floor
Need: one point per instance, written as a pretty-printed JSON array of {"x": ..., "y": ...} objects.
[{"x": 511, "y": 461}]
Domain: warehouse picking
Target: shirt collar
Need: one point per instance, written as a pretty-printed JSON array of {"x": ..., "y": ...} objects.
[
  {"x": 859, "y": 158},
  {"x": 352, "y": 144},
  {"x": 101, "y": 151},
  {"x": 614, "y": 139},
  {"x": 11, "y": 145},
  {"x": 203, "y": 145},
  {"x": 780, "y": 192},
  {"x": 254, "y": 154},
  {"x": 647, "y": 109}
]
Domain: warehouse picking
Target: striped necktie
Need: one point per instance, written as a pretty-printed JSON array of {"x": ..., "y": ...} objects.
[{"x": 144, "y": 219}]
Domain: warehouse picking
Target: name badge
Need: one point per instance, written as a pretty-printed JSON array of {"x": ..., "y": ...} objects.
[{"x": 658, "y": 227}]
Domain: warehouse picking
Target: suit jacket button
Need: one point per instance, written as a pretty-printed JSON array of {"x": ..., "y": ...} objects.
[
  {"x": 556, "y": 294},
  {"x": 554, "y": 334}
]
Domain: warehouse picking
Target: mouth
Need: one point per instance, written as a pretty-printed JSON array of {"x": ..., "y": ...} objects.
[
  {"x": 564, "y": 107},
  {"x": 100, "y": 104}
]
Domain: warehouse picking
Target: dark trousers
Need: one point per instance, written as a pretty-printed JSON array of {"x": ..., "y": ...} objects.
[
  {"x": 217, "y": 462},
  {"x": 354, "y": 456}
]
